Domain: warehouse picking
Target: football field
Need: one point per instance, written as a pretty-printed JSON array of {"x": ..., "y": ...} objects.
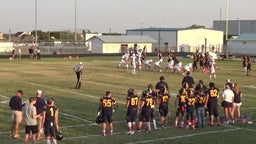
[{"x": 78, "y": 108}]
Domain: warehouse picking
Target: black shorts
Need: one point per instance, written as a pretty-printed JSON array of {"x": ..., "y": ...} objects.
[
  {"x": 213, "y": 109},
  {"x": 31, "y": 128},
  {"x": 163, "y": 110},
  {"x": 180, "y": 109},
  {"x": 145, "y": 115},
  {"x": 107, "y": 116},
  {"x": 49, "y": 130},
  {"x": 152, "y": 113},
  {"x": 190, "y": 112},
  {"x": 226, "y": 104},
  {"x": 131, "y": 115}
]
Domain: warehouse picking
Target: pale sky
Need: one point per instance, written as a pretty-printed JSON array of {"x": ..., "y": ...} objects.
[{"x": 118, "y": 15}]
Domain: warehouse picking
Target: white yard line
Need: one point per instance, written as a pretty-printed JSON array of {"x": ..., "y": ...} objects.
[
  {"x": 4, "y": 96},
  {"x": 76, "y": 117},
  {"x": 183, "y": 136},
  {"x": 5, "y": 101}
]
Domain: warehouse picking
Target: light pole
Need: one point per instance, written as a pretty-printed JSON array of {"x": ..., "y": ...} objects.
[
  {"x": 35, "y": 23},
  {"x": 75, "y": 22},
  {"x": 227, "y": 19},
  {"x": 239, "y": 28}
]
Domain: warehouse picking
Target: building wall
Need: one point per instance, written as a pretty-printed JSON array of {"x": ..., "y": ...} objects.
[
  {"x": 192, "y": 40},
  {"x": 6, "y": 46},
  {"x": 96, "y": 45},
  {"x": 240, "y": 47},
  {"x": 88, "y": 36},
  {"x": 236, "y": 26},
  {"x": 162, "y": 37}
]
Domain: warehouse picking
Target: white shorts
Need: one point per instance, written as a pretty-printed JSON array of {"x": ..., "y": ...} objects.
[{"x": 237, "y": 104}]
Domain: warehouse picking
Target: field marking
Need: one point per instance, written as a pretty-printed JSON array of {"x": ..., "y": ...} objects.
[
  {"x": 249, "y": 86},
  {"x": 184, "y": 136},
  {"x": 63, "y": 90},
  {"x": 5, "y": 101},
  {"x": 75, "y": 117},
  {"x": 4, "y": 96}
]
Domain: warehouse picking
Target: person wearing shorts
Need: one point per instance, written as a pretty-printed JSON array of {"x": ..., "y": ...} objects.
[
  {"x": 132, "y": 104},
  {"x": 16, "y": 107},
  {"x": 227, "y": 103},
  {"x": 211, "y": 103},
  {"x": 145, "y": 106},
  {"x": 50, "y": 121},
  {"x": 30, "y": 116},
  {"x": 107, "y": 106},
  {"x": 40, "y": 104},
  {"x": 237, "y": 100}
]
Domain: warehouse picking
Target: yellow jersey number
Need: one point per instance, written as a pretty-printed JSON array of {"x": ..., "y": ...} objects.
[
  {"x": 149, "y": 102},
  {"x": 107, "y": 103},
  {"x": 165, "y": 98},
  {"x": 214, "y": 93},
  {"x": 202, "y": 100},
  {"x": 191, "y": 101},
  {"x": 52, "y": 112},
  {"x": 134, "y": 101},
  {"x": 183, "y": 98}
]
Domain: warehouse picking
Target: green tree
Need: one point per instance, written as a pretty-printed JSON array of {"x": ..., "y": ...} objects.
[{"x": 194, "y": 26}]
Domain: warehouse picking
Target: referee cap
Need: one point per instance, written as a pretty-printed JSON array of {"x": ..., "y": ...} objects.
[{"x": 81, "y": 63}]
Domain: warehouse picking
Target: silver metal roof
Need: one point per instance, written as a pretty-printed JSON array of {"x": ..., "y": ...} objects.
[{"x": 157, "y": 29}]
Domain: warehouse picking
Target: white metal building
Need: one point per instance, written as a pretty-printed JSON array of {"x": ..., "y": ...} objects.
[
  {"x": 166, "y": 37},
  {"x": 200, "y": 40},
  {"x": 182, "y": 39},
  {"x": 119, "y": 44}
]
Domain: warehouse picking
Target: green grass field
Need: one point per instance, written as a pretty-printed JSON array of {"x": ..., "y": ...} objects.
[{"x": 78, "y": 108}]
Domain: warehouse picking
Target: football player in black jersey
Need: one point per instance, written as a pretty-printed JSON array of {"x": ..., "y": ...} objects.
[
  {"x": 180, "y": 103},
  {"x": 107, "y": 106},
  {"x": 200, "y": 110},
  {"x": 190, "y": 106},
  {"x": 145, "y": 106},
  {"x": 132, "y": 104},
  {"x": 50, "y": 121},
  {"x": 153, "y": 93},
  {"x": 212, "y": 103},
  {"x": 163, "y": 105}
]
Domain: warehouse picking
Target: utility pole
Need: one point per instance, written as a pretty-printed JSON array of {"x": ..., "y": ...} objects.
[
  {"x": 10, "y": 38},
  {"x": 227, "y": 7},
  {"x": 35, "y": 23},
  {"x": 75, "y": 22}
]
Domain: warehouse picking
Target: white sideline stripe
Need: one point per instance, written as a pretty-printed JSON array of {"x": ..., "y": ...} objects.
[
  {"x": 4, "y": 96},
  {"x": 184, "y": 136},
  {"x": 95, "y": 135},
  {"x": 6, "y": 101},
  {"x": 75, "y": 117},
  {"x": 249, "y": 86},
  {"x": 85, "y": 120}
]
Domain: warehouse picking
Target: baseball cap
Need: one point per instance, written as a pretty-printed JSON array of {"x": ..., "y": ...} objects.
[
  {"x": 81, "y": 63},
  {"x": 228, "y": 80},
  {"x": 39, "y": 92}
]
